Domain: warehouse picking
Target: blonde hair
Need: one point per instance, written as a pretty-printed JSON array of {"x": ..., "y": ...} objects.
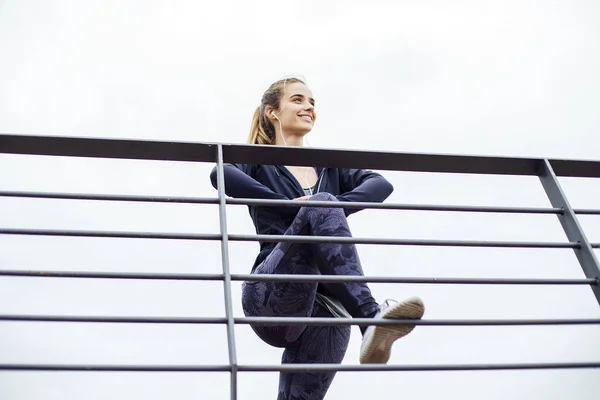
[{"x": 262, "y": 130}]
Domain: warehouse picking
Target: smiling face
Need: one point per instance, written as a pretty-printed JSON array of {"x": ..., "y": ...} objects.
[{"x": 296, "y": 110}]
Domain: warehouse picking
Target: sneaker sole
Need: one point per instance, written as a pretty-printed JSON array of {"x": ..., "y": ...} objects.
[{"x": 379, "y": 346}]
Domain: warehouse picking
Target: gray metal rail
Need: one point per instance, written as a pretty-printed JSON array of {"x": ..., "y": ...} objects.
[
  {"x": 294, "y": 321},
  {"x": 287, "y": 238},
  {"x": 548, "y": 170},
  {"x": 298, "y": 278},
  {"x": 296, "y": 367}
]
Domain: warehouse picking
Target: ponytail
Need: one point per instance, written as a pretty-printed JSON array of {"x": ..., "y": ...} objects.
[{"x": 258, "y": 133}]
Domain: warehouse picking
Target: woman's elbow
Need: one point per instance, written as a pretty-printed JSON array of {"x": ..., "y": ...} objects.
[
  {"x": 387, "y": 187},
  {"x": 213, "y": 177}
]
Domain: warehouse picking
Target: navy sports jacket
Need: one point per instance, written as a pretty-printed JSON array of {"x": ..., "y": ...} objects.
[{"x": 277, "y": 182}]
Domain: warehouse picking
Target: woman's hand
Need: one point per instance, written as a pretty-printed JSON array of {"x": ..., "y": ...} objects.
[{"x": 302, "y": 198}]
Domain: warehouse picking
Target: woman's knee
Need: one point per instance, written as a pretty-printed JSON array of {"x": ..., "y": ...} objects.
[
  {"x": 278, "y": 336},
  {"x": 321, "y": 213},
  {"x": 324, "y": 210},
  {"x": 254, "y": 304},
  {"x": 324, "y": 196}
]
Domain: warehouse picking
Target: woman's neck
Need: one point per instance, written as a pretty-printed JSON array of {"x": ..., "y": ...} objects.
[{"x": 290, "y": 140}]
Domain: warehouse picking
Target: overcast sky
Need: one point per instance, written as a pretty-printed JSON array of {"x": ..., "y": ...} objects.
[{"x": 514, "y": 78}]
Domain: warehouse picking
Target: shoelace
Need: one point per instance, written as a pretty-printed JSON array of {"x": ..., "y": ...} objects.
[{"x": 387, "y": 303}]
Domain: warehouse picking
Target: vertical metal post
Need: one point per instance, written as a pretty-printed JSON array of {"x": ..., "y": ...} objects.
[
  {"x": 568, "y": 219},
  {"x": 226, "y": 273}
]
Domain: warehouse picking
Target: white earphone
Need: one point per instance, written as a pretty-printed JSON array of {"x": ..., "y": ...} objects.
[{"x": 285, "y": 144}]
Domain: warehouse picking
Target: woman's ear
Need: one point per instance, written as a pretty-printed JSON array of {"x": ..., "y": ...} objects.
[{"x": 270, "y": 112}]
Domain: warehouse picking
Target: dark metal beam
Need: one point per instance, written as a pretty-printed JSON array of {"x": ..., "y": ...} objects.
[
  {"x": 380, "y": 160},
  {"x": 206, "y": 152},
  {"x": 576, "y": 168},
  {"x": 107, "y": 148}
]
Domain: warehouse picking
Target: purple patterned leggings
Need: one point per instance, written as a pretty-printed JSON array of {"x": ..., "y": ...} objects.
[{"x": 309, "y": 344}]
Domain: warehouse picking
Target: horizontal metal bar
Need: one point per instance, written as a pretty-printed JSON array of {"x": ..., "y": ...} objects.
[
  {"x": 586, "y": 211},
  {"x": 110, "y": 197},
  {"x": 280, "y": 155},
  {"x": 282, "y": 203},
  {"x": 111, "y": 234},
  {"x": 438, "y": 322},
  {"x": 419, "y": 280},
  {"x": 113, "y": 319},
  {"x": 297, "y": 278},
  {"x": 115, "y": 368},
  {"x": 296, "y": 367},
  {"x": 111, "y": 275},
  {"x": 423, "y": 367},
  {"x": 287, "y": 238},
  {"x": 396, "y": 206},
  {"x": 295, "y": 320}
]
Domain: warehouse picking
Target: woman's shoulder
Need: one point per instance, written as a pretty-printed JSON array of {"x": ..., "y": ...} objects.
[
  {"x": 256, "y": 170},
  {"x": 247, "y": 168}
]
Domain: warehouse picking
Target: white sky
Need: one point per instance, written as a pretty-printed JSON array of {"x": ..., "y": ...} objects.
[{"x": 515, "y": 78}]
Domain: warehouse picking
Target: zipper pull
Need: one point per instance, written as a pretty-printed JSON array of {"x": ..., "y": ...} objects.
[{"x": 275, "y": 168}]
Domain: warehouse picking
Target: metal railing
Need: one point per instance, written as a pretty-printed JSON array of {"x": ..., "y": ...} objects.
[{"x": 546, "y": 169}]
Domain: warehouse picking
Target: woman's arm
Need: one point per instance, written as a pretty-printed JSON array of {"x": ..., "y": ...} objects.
[
  {"x": 362, "y": 186},
  {"x": 239, "y": 183}
]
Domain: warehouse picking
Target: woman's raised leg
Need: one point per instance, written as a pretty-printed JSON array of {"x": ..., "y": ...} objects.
[{"x": 294, "y": 299}]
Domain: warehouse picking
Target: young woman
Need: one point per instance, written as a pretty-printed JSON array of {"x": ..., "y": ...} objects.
[{"x": 286, "y": 114}]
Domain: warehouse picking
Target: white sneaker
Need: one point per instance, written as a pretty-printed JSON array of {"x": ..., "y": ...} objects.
[{"x": 378, "y": 340}]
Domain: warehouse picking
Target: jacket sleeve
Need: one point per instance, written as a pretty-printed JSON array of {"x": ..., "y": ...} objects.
[
  {"x": 362, "y": 186},
  {"x": 239, "y": 183}
]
